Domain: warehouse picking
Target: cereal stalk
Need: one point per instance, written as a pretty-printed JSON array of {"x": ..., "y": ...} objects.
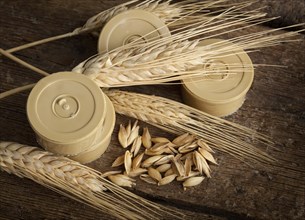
[
  {"x": 77, "y": 181},
  {"x": 179, "y": 118},
  {"x": 23, "y": 63},
  {"x": 165, "y": 10},
  {"x": 39, "y": 42},
  {"x": 176, "y": 57},
  {"x": 16, "y": 90}
]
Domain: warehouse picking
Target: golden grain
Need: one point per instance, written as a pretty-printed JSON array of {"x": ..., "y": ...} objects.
[
  {"x": 136, "y": 162},
  {"x": 118, "y": 161},
  {"x": 166, "y": 180},
  {"x": 170, "y": 149},
  {"x": 178, "y": 156},
  {"x": 146, "y": 178},
  {"x": 188, "y": 147},
  {"x": 123, "y": 136},
  {"x": 151, "y": 152},
  {"x": 156, "y": 149},
  {"x": 188, "y": 139},
  {"x": 188, "y": 166},
  {"x": 136, "y": 172},
  {"x": 169, "y": 172},
  {"x": 155, "y": 174},
  {"x": 164, "y": 167},
  {"x": 164, "y": 159},
  {"x": 178, "y": 167},
  {"x": 207, "y": 155},
  {"x": 122, "y": 180},
  {"x": 205, "y": 146},
  {"x": 191, "y": 174},
  {"x": 188, "y": 155},
  {"x": 177, "y": 141},
  {"x": 193, "y": 181},
  {"x": 127, "y": 161},
  {"x": 201, "y": 164},
  {"x": 136, "y": 146},
  {"x": 128, "y": 128},
  {"x": 133, "y": 135},
  {"x": 146, "y": 138},
  {"x": 151, "y": 160},
  {"x": 158, "y": 146}
]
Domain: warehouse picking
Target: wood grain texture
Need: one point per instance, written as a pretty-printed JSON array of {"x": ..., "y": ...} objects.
[{"x": 275, "y": 105}]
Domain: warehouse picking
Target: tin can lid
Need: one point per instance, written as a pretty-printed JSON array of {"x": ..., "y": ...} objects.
[
  {"x": 102, "y": 142},
  {"x": 236, "y": 76},
  {"x": 129, "y": 26},
  {"x": 66, "y": 108}
]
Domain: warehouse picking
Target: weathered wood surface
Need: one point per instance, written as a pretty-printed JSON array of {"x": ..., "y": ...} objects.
[{"x": 275, "y": 106}]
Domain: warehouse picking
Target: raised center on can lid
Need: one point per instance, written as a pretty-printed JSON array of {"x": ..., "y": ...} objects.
[
  {"x": 218, "y": 68},
  {"x": 66, "y": 107},
  {"x": 133, "y": 38},
  {"x": 227, "y": 76}
]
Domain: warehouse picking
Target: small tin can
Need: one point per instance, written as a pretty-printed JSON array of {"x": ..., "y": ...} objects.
[
  {"x": 133, "y": 25},
  {"x": 220, "y": 94},
  {"x": 67, "y": 111}
]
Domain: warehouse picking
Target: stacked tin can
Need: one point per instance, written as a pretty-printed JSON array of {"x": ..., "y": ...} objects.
[
  {"x": 223, "y": 93},
  {"x": 71, "y": 116}
]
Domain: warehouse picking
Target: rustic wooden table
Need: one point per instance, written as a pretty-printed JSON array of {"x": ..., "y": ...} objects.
[{"x": 274, "y": 106}]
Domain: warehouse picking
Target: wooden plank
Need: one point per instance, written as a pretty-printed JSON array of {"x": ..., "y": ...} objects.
[{"x": 274, "y": 106}]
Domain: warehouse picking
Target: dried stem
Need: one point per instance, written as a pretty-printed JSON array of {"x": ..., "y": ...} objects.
[
  {"x": 43, "y": 41},
  {"x": 16, "y": 90},
  {"x": 25, "y": 64},
  {"x": 77, "y": 181}
]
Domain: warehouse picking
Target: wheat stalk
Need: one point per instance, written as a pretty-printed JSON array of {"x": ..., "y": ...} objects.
[
  {"x": 165, "y": 10},
  {"x": 16, "y": 90},
  {"x": 179, "y": 118},
  {"x": 23, "y": 63},
  {"x": 177, "y": 57},
  {"x": 77, "y": 181}
]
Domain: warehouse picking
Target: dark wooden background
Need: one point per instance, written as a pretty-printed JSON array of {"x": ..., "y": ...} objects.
[{"x": 275, "y": 106}]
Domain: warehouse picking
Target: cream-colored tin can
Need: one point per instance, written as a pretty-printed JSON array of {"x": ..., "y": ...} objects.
[
  {"x": 67, "y": 111},
  {"x": 133, "y": 25},
  {"x": 221, "y": 94}
]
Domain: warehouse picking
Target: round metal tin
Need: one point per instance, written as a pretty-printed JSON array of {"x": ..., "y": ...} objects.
[
  {"x": 66, "y": 110},
  {"x": 224, "y": 93},
  {"x": 133, "y": 25}
]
